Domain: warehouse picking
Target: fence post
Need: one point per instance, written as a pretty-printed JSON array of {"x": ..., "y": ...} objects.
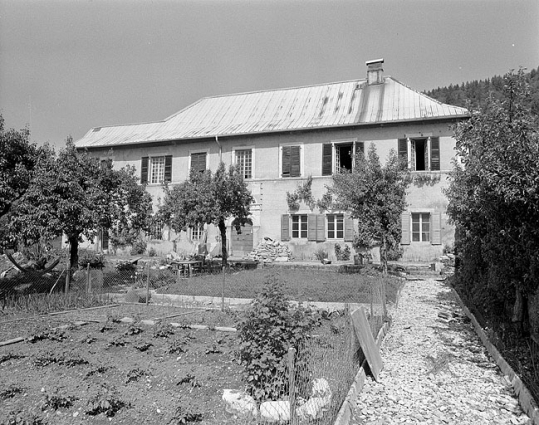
[
  {"x": 223, "y": 291},
  {"x": 88, "y": 281},
  {"x": 148, "y": 286},
  {"x": 68, "y": 275},
  {"x": 292, "y": 384}
]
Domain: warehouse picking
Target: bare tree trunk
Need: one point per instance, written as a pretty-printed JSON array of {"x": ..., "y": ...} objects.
[
  {"x": 73, "y": 252},
  {"x": 222, "y": 229},
  {"x": 383, "y": 255}
]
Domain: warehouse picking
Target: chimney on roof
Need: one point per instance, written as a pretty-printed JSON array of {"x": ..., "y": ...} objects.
[{"x": 375, "y": 72}]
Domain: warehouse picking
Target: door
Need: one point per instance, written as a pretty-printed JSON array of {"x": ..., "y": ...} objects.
[{"x": 242, "y": 244}]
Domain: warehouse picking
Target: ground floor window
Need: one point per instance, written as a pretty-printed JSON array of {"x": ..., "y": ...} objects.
[
  {"x": 299, "y": 226},
  {"x": 335, "y": 226},
  {"x": 420, "y": 227},
  {"x": 196, "y": 233}
]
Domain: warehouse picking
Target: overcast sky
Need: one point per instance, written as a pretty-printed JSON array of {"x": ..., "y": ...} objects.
[{"x": 69, "y": 65}]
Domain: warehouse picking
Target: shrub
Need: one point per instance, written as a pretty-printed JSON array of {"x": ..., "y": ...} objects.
[
  {"x": 139, "y": 246},
  {"x": 342, "y": 254},
  {"x": 95, "y": 260},
  {"x": 125, "y": 266},
  {"x": 321, "y": 255},
  {"x": 267, "y": 330},
  {"x": 152, "y": 252}
]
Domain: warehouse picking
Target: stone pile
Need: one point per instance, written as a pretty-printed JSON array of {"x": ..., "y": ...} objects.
[{"x": 269, "y": 250}]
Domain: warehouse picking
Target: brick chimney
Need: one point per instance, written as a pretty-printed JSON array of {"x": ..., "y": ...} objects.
[{"x": 375, "y": 72}]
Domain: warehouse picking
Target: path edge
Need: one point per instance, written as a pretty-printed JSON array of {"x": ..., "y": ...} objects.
[
  {"x": 525, "y": 399},
  {"x": 345, "y": 412}
]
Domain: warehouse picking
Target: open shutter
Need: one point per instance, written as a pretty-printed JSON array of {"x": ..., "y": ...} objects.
[
  {"x": 435, "y": 153},
  {"x": 320, "y": 227},
  {"x": 285, "y": 227},
  {"x": 403, "y": 149},
  {"x": 348, "y": 229},
  {"x": 436, "y": 228},
  {"x": 327, "y": 151},
  {"x": 311, "y": 227},
  {"x": 168, "y": 168},
  {"x": 405, "y": 228},
  {"x": 144, "y": 170},
  {"x": 286, "y": 161},
  {"x": 295, "y": 161}
]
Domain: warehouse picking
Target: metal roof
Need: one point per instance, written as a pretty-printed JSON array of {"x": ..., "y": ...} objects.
[{"x": 339, "y": 104}]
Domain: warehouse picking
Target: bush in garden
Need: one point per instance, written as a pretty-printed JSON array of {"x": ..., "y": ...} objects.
[
  {"x": 266, "y": 331},
  {"x": 94, "y": 259},
  {"x": 139, "y": 247}
]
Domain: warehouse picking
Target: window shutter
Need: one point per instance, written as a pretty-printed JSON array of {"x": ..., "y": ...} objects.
[
  {"x": 435, "y": 153},
  {"x": 405, "y": 228},
  {"x": 436, "y": 228},
  {"x": 403, "y": 149},
  {"x": 144, "y": 170},
  {"x": 285, "y": 227},
  {"x": 286, "y": 161},
  {"x": 320, "y": 227},
  {"x": 198, "y": 162},
  {"x": 327, "y": 154},
  {"x": 311, "y": 227},
  {"x": 168, "y": 168},
  {"x": 348, "y": 229},
  {"x": 295, "y": 161}
]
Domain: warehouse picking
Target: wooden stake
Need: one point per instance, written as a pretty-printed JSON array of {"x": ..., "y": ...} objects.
[
  {"x": 148, "y": 286},
  {"x": 292, "y": 384},
  {"x": 223, "y": 291},
  {"x": 88, "y": 283}
]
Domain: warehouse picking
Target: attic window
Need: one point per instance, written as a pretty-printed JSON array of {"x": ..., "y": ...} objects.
[{"x": 95, "y": 130}]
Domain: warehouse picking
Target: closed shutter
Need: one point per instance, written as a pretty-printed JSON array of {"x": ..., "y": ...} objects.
[
  {"x": 311, "y": 227},
  {"x": 144, "y": 170},
  {"x": 320, "y": 227},
  {"x": 295, "y": 161},
  {"x": 435, "y": 153},
  {"x": 285, "y": 227},
  {"x": 168, "y": 168},
  {"x": 436, "y": 228},
  {"x": 405, "y": 228},
  {"x": 286, "y": 161},
  {"x": 403, "y": 149},
  {"x": 327, "y": 151},
  {"x": 348, "y": 229},
  {"x": 198, "y": 162}
]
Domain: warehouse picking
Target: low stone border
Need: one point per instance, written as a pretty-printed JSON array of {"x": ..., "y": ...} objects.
[
  {"x": 345, "y": 412},
  {"x": 527, "y": 403}
]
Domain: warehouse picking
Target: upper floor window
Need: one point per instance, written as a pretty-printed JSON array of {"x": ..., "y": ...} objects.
[
  {"x": 338, "y": 156},
  {"x": 156, "y": 169},
  {"x": 335, "y": 226},
  {"x": 198, "y": 161},
  {"x": 291, "y": 161},
  {"x": 244, "y": 160},
  {"x": 421, "y": 153}
]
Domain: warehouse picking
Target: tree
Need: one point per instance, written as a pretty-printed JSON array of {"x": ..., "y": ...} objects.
[
  {"x": 494, "y": 201},
  {"x": 208, "y": 198},
  {"x": 76, "y": 195},
  {"x": 375, "y": 195},
  {"x": 18, "y": 158}
]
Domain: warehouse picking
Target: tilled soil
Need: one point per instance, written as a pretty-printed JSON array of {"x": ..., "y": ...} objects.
[{"x": 436, "y": 371}]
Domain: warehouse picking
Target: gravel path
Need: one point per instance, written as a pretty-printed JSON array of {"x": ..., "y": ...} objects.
[{"x": 436, "y": 371}]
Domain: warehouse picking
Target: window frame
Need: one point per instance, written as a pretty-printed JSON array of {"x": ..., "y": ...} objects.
[
  {"x": 151, "y": 160},
  {"x": 235, "y": 159},
  {"x": 198, "y": 231},
  {"x": 411, "y": 152},
  {"x": 301, "y": 159},
  {"x": 421, "y": 231},
  {"x": 335, "y": 223},
  {"x": 302, "y": 226}
]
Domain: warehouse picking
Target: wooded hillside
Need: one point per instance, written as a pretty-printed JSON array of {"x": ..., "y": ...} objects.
[{"x": 477, "y": 92}]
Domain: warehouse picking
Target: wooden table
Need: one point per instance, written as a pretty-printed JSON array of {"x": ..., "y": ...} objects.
[{"x": 186, "y": 265}]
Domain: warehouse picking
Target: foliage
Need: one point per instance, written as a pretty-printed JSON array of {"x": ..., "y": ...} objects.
[
  {"x": 342, "y": 254},
  {"x": 139, "y": 247},
  {"x": 208, "y": 198},
  {"x": 321, "y": 254},
  {"x": 92, "y": 258},
  {"x": 107, "y": 402},
  {"x": 57, "y": 401},
  {"x": 268, "y": 329},
  {"x": 152, "y": 252},
  {"x": 125, "y": 266},
  {"x": 76, "y": 195},
  {"x": 494, "y": 201},
  {"x": 185, "y": 414},
  {"x": 303, "y": 193},
  {"x": 375, "y": 195},
  {"x": 425, "y": 179}
]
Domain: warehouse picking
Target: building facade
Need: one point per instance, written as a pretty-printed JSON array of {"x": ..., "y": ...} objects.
[{"x": 283, "y": 138}]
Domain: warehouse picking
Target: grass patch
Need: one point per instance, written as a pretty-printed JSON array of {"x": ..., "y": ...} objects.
[{"x": 299, "y": 285}]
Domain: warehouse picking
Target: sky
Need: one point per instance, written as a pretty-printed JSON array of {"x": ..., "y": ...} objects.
[{"x": 69, "y": 65}]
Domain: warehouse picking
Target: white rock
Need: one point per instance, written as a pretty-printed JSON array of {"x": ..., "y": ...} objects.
[
  {"x": 312, "y": 409},
  {"x": 321, "y": 389},
  {"x": 275, "y": 411},
  {"x": 239, "y": 402}
]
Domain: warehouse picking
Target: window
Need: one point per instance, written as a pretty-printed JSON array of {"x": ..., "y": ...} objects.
[
  {"x": 420, "y": 227},
  {"x": 156, "y": 230},
  {"x": 421, "y": 153},
  {"x": 198, "y": 161},
  {"x": 156, "y": 169},
  {"x": 196, "y": 233},
  {"x": 337, "y": 156},
  {"x": 244, "y": 160},
  {"x": 291, "y": 161},
  {"x": 335, "y": 226},
  {"x": 299, "y": 226}
]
